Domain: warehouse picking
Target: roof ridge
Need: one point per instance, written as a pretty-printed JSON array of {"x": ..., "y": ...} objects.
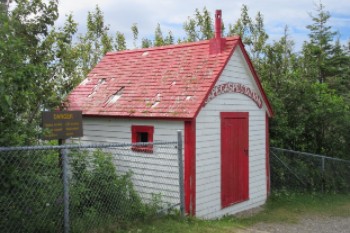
[{"x": 165, "y": 47}]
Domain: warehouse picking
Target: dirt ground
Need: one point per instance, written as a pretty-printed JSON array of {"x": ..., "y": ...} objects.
[{"x": 309, "y": 224}]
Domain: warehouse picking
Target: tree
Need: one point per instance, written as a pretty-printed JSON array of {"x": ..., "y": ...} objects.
[
  {"x": 200, "y": 27},
  {"x": 169, "y": 39},
  {"x": 95, "y": 43},
  {"x": 158, "y": 36},
  {"x": 120, "y": 42},
  {"x": 146, "y": 43},
  {"x": 319, "y": 47},
  {"x": 243, "y": 26},
  {"x": 4, "y": 5},
  {"x": 135, "y": 33},
  {"x": 252, "y": 33},
  {"x": 339, "y": 71},
  {"x": 30, "y": 81}
]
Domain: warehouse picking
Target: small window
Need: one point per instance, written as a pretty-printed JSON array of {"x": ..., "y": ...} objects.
[{"x": 142, "y": 133}]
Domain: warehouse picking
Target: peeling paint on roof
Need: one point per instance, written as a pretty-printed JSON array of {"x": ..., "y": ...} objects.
[
  {"x": 170, "y": 81},
  {"x": 114, "y": 98},
  {"x": 85, "y": 81}
]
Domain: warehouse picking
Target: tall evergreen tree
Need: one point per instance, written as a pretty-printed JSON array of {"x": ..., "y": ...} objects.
[
  {"x": 339, "y": 71},
  {"x": 169, "y": 39},
  {"x": 120, "y": 43},
  {"x": 318, "y": 49},
  {"x": 135, "y": 33},
  {"x": 158, "y": 36},
  {"x": 146, "y": 43}
]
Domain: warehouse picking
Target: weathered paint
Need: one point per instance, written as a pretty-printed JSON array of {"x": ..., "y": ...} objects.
[
  {"x": 167, "y": 86},
  {"x": 231, "y": 87},
  {"x": 208, "y": 144},
  {"x": 190, "y": 167},
  {"x": 170, "y": 82},
  {"x": 234, "y": 157},
  {"x": 153, "y": 173}
]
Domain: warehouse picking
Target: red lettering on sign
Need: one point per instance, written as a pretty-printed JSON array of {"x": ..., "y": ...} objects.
[{"x": 230, "y": 87}]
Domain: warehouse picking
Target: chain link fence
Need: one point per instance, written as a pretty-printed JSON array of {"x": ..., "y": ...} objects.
[
  {"x": 306, "y": 172},
  {"x": 98, "y": 188}
]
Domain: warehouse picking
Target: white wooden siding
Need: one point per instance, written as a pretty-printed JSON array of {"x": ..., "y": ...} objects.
[
  {"x": 153, "y": 173},
  {"x": 208, "y": 151}
]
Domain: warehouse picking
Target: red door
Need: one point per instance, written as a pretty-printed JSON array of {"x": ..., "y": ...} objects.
[{"x": 234, "y": 158}]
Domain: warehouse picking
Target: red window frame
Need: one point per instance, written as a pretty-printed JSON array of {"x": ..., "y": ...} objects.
[{"x": 136, "y": 137}]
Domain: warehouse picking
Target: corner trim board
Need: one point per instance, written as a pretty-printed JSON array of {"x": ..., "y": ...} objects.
[{"x": 190, "y": 167}]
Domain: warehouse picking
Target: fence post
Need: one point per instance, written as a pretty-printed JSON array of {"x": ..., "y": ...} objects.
[
  {"x": 181, "y": 173},
  {"x": 65, "y": 191},
  {"x": 323, "y": 178}
]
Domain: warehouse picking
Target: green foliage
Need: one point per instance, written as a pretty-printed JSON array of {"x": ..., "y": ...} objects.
[
  {"x": 40, "y": 64},
  {"x": 102, "y": 197},
  {"x": 31, "y": 192},
  {"x": 169, "y": 39},
  {"x": 158, "y": 37},
  {"x": 159, "y": 40},
  {"x": 146, "y": 43},
  {"x": 95, "y": 43},
  {"x": 31, "y": 197},
  {"x": 293, "y": 172},
  {"x": 135, "y": 33},
  {"x": 309, "y": 90},
  {"x": 120, "y": 42},
  {"x": 319, "y": 47},
  {"x": 282, "y": 207},
  {"x": 252, "y": 33},
  {"x": 29, "y": 77},
  {"x": 310, "y": 117},
  {"x": 289, "y": 207},
  {"x": 200, "y": 27}
]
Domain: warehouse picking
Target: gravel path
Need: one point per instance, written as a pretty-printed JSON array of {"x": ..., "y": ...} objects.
[{"x": 309, "y": 224}]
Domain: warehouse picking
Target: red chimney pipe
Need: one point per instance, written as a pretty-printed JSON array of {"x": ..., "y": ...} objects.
[
  {"x": 218, "y": 24},
  {"x": 217, "y": 44}
]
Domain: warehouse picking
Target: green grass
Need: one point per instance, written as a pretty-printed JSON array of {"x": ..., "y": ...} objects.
[
  {"x": 292, "y": 207},
  {"x": 187, "y": 225},
  {"x": 279, "y": 208}
]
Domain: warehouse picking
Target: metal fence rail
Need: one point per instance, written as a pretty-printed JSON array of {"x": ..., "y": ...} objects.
[
  {"x": 88, "y": 188},
  {"x": 301, "y": 171}
]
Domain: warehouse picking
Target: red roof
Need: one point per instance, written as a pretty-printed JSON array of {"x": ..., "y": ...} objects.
[{"x": 163, "y": 82}]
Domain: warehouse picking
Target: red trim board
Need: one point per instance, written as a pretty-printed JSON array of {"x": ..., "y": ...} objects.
[{"x": 190, "y": 167}]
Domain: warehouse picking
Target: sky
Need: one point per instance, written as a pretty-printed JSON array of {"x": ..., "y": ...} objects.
[{"x": 171, "y": 14}]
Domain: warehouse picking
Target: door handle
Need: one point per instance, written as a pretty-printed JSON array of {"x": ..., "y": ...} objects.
[{"x": 246, "y": 151}]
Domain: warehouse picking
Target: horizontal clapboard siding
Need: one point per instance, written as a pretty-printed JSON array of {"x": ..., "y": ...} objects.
[
  {"x": 152, "y": 173},
  {"x": 208, "y": 151}
]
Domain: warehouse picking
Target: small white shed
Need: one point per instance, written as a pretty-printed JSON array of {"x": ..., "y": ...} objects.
[{"x": 207, "y": 89}]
